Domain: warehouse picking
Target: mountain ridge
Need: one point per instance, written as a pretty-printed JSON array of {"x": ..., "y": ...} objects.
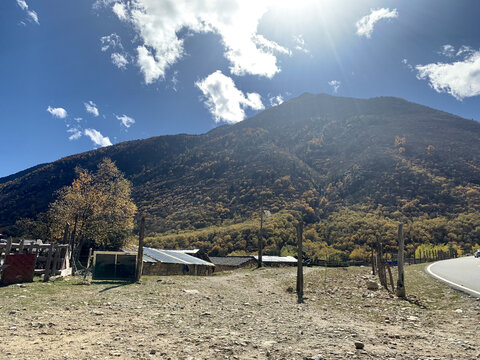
[{"x": 319, "y": 153}]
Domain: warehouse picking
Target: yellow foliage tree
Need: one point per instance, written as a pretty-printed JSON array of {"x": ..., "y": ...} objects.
[{"x": 97, "y": 205}]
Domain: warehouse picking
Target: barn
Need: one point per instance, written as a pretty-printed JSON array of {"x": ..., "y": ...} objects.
[
  {"x": 278, "y": 261},
  {"x": 226, "y": 263}
]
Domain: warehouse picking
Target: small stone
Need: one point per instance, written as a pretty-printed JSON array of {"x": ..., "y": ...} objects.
[
  {"x": 193, "y": 291},
  {"x": 359, "y": 345},
  {"x": 153, "y": 352},
  {"x": 372, "y": 285}
]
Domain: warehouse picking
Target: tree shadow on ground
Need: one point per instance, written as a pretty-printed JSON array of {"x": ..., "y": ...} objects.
[{"x": 114, "y": 284}]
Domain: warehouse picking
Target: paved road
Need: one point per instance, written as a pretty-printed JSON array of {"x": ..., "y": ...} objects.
[{"x": 462, "y": 273}]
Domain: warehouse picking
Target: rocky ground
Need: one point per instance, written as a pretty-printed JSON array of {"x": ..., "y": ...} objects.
[{"x": 248, "y": 314}]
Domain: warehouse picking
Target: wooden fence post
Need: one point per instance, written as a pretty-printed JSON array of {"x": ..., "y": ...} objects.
[
  {"x": 140, "y": 250},
  {"x": 46, "y": 275},
  {"x": 382, "y": 275},
  {"x": 401, "y": 274},
  {"x": 56, "y": 257},
  {"x": 8, "y": 247},
  {"x": 300, "y": 262}
]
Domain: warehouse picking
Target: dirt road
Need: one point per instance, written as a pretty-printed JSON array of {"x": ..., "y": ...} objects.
[{"x": 240, "y": 315}]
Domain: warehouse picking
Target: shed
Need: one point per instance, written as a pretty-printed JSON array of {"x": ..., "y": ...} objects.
[
  {"x": 278, "y": 261},
  {"x": 225, "y": 263},
  {"x": 173, "y": 262}
]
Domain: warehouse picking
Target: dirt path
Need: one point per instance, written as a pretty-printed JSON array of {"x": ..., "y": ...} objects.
[{"x": 239, "y": 315}]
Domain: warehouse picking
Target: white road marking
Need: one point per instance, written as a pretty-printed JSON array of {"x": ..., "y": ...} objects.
[{"x": 450, "y": 282}]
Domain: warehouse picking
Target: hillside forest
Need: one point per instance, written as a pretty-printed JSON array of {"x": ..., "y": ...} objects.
[{"x": 351, "y": 169}]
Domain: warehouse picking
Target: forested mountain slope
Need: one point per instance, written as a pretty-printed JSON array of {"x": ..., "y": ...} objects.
[{"x": 318, "y": 153}]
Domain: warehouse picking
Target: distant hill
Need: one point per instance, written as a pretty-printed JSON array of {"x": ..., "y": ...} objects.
[{"x": 318, "y": 153}]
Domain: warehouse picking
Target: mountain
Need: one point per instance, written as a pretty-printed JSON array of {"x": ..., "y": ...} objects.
[{"x": 318, "y": 153}]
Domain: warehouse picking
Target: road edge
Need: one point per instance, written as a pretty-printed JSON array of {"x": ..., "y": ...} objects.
[{"x": 453, "y": 285}]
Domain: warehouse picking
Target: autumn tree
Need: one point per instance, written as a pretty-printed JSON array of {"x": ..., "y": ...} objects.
[{"x": 98, "y": 207}]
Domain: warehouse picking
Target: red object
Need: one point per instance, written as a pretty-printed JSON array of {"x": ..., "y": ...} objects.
[{"x": 20, "y": 268}]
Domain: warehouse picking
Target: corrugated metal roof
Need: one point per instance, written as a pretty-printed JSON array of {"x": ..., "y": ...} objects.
[
  {"x": 231, "y": 260},
  {"x": 188, "y": 251},
  {"x": 279, "y": 259},
  {"x": 171, "y": 257}
]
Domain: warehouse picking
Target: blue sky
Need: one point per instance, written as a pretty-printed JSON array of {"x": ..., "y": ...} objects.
[{"x": 77, "y": 75}]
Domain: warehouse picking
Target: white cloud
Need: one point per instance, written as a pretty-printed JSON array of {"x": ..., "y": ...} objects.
[
  {"x": 158, "y": 24},
  {"x": 97, "y": 138},
  {"x": 409, "y": 66},
  {"x": 224, "y": 101},
  {"x": 119, "y": 60},
  {"x": 32, "y": 14},
  {"x": 276, "y": 100},
  {"x": 460, "y": 79},
  {"x": 98, "y": 4},
  {"x": 269, "y": 45},
  {"x": 22, "y": 4},
  {"x": 448, "y": 50},
  {"x": 175, "y": 80},
  {"x": 126, "y": 121},
  {"x": 76, "y": 133},
  {"x": 57, "y": 112},
  {"x": 120, "y": 10},
  {"x": 366, "y": 24},
  {"x": 335, "y": 84},
  {"x": 91, "y": 108},
  {"x": 152, "y": 70},
  {"x": 112, "y": 41},
  {"x": 465, "y": 51},
  {"x": 300, "y": 44}
]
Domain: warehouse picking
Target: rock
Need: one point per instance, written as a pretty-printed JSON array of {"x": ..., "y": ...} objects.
[
  {"x": 459, "y": 311},
  {"x": 193, "y": 291},
  {"x": 316, "y": 357},
  {"x": 412, "y": 318},
  {"x": 153, "y": 352},
  {"x": 359, "y": 345},
  {"x": 372, "y": 285},
  {"x": 21, "y": 285},
  {"x": 269, "y": 343},
  {"x": 290, "y": 289}
]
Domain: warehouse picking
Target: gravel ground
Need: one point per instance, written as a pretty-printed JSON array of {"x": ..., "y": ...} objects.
[{"x": 247, "y": 314}]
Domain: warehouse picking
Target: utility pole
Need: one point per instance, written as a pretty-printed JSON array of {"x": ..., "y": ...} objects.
[
  {"x": 401, "y": 275},
  {"x": 260, "y": 235},
  {"x": 140, "y": 250},
  {"x": 300, "y": 262}
]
